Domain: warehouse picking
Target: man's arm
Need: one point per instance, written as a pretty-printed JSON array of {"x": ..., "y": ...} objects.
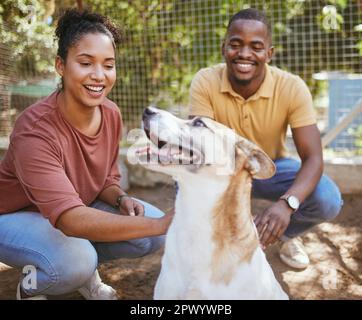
[
  {"x": 308, "y": 143},
  {"x": 272, "y": 223}
]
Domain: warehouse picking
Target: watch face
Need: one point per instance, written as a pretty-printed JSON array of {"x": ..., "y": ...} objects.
[{"x": 293, "y": 202}]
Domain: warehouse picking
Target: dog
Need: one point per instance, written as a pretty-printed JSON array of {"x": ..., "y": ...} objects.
[{"x": 212, "y": 248}]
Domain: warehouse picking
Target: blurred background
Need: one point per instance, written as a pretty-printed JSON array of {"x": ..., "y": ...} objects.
[{"x": 166, "y": 42}]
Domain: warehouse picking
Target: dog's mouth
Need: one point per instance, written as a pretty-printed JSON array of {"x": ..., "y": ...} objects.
[{"x": 162, "y": 152}]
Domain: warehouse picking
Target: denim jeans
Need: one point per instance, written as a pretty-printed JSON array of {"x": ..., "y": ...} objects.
[
  {"x": 63, "y": 264},
  {"x": 323, "y": 204}
]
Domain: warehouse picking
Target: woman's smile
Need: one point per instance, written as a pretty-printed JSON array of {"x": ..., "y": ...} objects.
[{"x": 95, "y": 91}]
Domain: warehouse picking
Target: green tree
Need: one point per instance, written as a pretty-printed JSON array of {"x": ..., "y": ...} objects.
[
  {"x": 357, "y": 134},
  {"x": 27, "y": 29},
  {"x": 166, "y": 42},
  {"x": 26, "y": 35}
]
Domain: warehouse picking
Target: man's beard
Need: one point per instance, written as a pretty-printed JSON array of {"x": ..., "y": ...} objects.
[{"x": 242, "y": 82}]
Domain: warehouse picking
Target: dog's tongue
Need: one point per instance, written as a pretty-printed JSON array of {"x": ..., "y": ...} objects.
[
  {"x": 166, "y": 153},
  {"x": 163, "y": 155},
  {"x": 143, "y": 150}
]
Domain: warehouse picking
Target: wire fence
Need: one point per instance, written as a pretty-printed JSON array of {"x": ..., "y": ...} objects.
[
  {"x": 166, "y": 42},
  {"x": 5, "y": 94}
]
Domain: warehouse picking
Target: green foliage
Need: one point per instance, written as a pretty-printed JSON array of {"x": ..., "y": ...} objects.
[
  {"x": 317, "y": 34},
  {"x": 330, "y": 20},
  {"x": 160, "y": 38},
  {"x": 165, "y": 42},
  {"x": 26, "y": 31},
  {"x": 157, "y": 38},
  {"x": 357, "y": 133},
  {"x": 358, "y": 28}
]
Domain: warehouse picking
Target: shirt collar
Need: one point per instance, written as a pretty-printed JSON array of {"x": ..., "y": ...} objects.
[{"x": 265, "y": 90}]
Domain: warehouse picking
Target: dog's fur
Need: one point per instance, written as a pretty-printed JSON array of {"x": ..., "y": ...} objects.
[{"x": 212, "y": 248}]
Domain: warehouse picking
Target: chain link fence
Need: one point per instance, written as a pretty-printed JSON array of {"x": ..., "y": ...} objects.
[{"x": 166, "y": 42}]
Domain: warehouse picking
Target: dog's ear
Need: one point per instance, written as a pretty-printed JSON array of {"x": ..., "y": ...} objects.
[{"x": 256, "y": 161}]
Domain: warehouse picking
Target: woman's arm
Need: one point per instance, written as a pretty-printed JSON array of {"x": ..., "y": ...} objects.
[
  {"x": 96, "y": 225},
  {"x": 127, "y": 205},
  {"x": 110, "y": 194}
]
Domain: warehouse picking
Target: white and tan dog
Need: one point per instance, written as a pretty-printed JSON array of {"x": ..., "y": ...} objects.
[{"x": 212, "y": 248}]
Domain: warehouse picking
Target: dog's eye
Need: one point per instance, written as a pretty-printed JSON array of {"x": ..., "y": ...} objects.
[{"x": 199, "y": 123}]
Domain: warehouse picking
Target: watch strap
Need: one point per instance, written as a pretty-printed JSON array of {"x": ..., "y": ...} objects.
[
  {"x": 286, "y": 198},
  {"x": 119, "y": 200}
]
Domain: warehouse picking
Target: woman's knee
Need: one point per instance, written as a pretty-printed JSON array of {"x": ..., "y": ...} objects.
[
  {"x": 157, "y": 243},
  {"x": 150, "y": 210},
  {"x": 145, "y": 246},
  {"x": 76, "y": 266}
]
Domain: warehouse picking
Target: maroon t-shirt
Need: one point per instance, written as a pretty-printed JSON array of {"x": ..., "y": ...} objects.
[{"x": 51, "y": 167}]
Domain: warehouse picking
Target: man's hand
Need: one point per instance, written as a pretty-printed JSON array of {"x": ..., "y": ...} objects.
[
  {"x": 272, "y": 223},
  {"x": 131, "y": 207}
]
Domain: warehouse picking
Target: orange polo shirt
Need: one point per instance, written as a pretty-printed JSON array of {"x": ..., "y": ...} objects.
[{"x": 283, "y": 99}]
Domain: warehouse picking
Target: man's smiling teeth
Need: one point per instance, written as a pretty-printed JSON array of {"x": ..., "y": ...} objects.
[
  {"x": 96, "y": 89},
  {"x": 244, "y": 67}
]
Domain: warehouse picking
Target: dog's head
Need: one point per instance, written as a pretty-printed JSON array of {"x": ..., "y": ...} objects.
[{"x": 199, "y": 144}]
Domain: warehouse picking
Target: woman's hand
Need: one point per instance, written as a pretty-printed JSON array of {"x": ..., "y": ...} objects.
[
  {"x": 131, "y": 207},
  {"x": 166, "y": 221}
]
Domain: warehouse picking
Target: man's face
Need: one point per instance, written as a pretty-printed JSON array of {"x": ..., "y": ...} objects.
[{"x": 246, "y": 49}]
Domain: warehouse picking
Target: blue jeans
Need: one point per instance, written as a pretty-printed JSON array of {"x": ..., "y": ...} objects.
[
  {"x": 63, "y": 263},
  {"x": 324, "y": 203}
]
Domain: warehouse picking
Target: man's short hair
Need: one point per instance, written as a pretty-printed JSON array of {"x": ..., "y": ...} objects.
[{"x": 251, "y": 14}]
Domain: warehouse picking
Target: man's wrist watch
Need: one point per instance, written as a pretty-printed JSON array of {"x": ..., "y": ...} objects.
[{"x": 292, "y": 201}]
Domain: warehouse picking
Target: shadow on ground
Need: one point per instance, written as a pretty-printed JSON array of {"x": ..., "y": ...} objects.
[{"x": 335, "y": 250}]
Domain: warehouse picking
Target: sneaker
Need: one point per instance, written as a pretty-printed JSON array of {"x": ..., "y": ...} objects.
[
  {"x": 37, "y": 297},
  {"x": 293, "y": 254},
  {"x": 95, "y": 289}
]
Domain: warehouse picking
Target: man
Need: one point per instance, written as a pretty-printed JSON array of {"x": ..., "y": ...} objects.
[{"x": 259, "y": 101}]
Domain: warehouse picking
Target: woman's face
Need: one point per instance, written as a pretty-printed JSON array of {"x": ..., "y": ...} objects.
[{"x": 89, "y": 71}]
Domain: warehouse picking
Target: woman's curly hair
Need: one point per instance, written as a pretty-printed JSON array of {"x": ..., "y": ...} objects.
[{"x": 74, "y": 24}]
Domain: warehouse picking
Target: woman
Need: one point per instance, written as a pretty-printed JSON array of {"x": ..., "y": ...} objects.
[{"x": 61, "y": 206}]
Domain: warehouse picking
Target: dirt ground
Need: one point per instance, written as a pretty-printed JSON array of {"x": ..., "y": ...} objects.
[{"x": 334, "y": 248}]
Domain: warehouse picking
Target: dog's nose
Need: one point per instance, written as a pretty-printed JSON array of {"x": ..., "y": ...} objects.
[
  {"x": 146, "y": 117},
  {"x": 148, "y": 112}
]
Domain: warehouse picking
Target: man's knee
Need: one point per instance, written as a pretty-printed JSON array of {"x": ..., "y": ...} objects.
[{"x": 327, "y": 199}]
